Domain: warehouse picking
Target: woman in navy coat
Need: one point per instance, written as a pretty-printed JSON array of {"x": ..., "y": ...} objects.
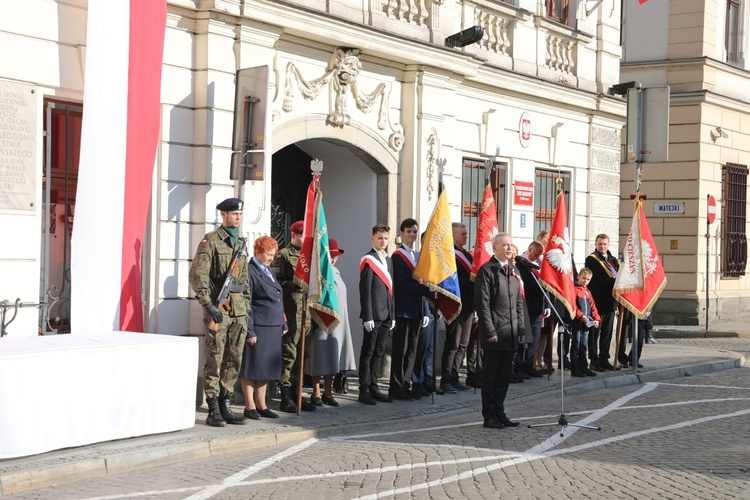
[{"x": 266, "y": 323}]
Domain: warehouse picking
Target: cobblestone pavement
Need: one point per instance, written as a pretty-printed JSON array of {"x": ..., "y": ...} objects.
[{"x": 682, "y": 438}]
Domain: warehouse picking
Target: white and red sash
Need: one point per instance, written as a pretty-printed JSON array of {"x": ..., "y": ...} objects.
[
  {"x": 406, "y": 256},
  {"x": 380, "y": 270},
  {"x": 462, "y": 259}
]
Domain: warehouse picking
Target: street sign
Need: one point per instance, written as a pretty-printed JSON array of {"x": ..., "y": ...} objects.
[
  {"x": 648, "y": 117},
  {"x": 711, "y": 209},
  {"x": 669, "y": 207}
]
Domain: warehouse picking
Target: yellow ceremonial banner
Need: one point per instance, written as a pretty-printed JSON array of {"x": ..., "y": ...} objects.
[{"x": 437, "y": 262}]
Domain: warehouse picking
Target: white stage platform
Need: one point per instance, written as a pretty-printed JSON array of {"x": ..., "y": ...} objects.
[{"x": 61, "y": 391}]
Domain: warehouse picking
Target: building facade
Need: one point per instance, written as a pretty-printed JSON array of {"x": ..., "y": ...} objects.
[
  {"x": 699, "y": 48},
  {"x": 373, "y": 92}
]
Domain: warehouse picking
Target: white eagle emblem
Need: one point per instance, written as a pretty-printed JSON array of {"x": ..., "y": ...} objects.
[
  {"x": 650, "y": 261},
  {"x": 559, "y": 257}
]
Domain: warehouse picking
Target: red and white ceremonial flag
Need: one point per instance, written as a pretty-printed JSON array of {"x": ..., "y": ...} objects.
[
  {"x": 556, "y": 274},
  {"x": 120, "y": 133},
  {"x": 641, "y": 277},
  {"x": 486, "y": 230}
]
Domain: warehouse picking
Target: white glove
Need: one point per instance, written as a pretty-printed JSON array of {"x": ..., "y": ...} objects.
[
  {"x": 393, "y": 324},
  {"x": 369, "y": 325},
  {"x": 425, "y": 321},
  {"x": 547, "y": 312}
]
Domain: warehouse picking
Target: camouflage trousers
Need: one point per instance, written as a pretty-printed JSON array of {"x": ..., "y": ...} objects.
[
  {"x": 223, "y": 355},
  {"x": 289, "y": 350}
]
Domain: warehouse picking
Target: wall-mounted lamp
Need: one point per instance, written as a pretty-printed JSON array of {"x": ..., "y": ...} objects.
[{"x": 720, "y": 132}]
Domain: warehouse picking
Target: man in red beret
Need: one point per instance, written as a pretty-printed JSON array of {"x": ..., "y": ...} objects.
[{"x": 284, "y": 266}]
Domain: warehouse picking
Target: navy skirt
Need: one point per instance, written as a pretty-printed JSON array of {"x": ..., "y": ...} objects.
[{"x": 262, "y": 360}]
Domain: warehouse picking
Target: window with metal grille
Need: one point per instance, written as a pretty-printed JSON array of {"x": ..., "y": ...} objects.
[
  {"x": 732, "y": 32},
  {"x": 558, "y": 10},
  {"x": 733, "y": 217},
  {"x": 545, "y": 197},
  {"x": 473, "y": 179}
]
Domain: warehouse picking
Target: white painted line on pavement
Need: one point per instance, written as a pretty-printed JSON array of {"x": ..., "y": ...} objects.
[
  {"x": 232, "y": 480},
  {"x": 378, "y": 470},
  {"x": 699, "y": 386},
  {"x": 152, "y": 493},
  {"x": 534, "y": 453}
]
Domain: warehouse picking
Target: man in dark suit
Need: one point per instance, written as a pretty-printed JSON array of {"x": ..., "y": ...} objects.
[
  {"x": 411, "y": 314},
  {"x": 536, "y": 305},
  {"x": 604, "y": 267},
  {"x": 499, "y": 305},
  {"x": 458, "y": 332},
  {"x": 377, "y": 312}
]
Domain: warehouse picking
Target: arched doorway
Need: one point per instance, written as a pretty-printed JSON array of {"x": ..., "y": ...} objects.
[{"x": 353, "y": 185}]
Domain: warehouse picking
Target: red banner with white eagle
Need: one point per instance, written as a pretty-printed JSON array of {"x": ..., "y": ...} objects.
[
  {"x": 556, "y": 274},
  {"x": 641, "y": 277},
  {"x": 486, "y": 230}
]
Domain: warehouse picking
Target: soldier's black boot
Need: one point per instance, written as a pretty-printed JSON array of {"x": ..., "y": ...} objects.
[
  {"x": 287, "y": 404},
  {"x": 226, "y": 412},
  {"x": 214, "y": 418}
]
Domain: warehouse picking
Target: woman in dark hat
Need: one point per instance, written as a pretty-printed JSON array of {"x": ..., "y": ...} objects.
[
  {"x": 266, "y": 323},
  {"x": 332, "y": 353}
]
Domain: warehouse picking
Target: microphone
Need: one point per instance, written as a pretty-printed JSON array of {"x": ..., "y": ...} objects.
[{"x": 522, "y": 261}]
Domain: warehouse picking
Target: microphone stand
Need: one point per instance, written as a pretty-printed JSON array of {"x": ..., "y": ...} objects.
[{"x": 562, "y": 328}]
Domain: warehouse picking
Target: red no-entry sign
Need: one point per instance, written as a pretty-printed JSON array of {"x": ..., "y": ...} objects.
[{"x": 711, "y": 209}]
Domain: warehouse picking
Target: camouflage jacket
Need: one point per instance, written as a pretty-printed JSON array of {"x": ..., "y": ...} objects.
[
  {"x": 209, "y": 269},
  {"x": 284, "y": 266}
]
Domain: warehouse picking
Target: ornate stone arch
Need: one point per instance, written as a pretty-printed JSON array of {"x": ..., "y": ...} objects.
[{"x": 361, "y": 141}]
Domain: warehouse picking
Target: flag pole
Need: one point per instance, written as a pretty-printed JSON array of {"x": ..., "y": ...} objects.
[
  {"x": 303, "y": 333},
  {"x": 634, "y": 349},
  {"x": 440, "y": 162},
  {"x": 620, "y": 321}
]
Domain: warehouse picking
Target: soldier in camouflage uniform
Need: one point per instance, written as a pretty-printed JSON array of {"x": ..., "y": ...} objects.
[
  {"x": 224, "y": 345},
  {"x": 284, "y": 266}
]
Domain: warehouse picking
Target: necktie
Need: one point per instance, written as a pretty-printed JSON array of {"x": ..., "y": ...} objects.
[{"x": 268, "y": 272}]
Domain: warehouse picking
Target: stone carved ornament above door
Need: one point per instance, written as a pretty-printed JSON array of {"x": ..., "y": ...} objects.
[{"x": 340, "y": 78}]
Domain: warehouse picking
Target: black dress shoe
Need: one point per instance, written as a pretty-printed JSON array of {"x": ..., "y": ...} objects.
[
  {"x": 366, "y": 398},
  {"x": 606, "y": 365},
  {"x": 493, "y": 423},
  {"x": 308, "y": 406},
  {"x": 523, "y": 375},
  {"x": 577, "y": 373},
  {"x": 589, "y": 373},
  {"x": 399, "y": 395},
  {"x": 419, "y": 388},
  {"x": 507, "y": 422},
  {"x": 379, "y": 396},
  {"x": 531, "y": 372},
  {"x": 267, "y": 413},
  {"x": 416, "y": 392},
  {"x": 316, "y": 401},
  {"x": 329, "y": 401},
  {"x": 252, "y": 414}
]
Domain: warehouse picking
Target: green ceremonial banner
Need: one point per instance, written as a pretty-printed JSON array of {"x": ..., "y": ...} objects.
[{"x": 322, "y": 297}]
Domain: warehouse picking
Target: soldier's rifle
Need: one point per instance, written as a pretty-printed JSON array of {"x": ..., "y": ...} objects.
[{"x": 231, "y": 285}]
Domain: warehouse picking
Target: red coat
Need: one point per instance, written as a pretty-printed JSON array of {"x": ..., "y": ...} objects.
[{"x": 585, "y": 304}]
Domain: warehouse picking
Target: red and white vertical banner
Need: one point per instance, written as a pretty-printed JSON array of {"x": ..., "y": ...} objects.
[{"x": 120, "y": 132}]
